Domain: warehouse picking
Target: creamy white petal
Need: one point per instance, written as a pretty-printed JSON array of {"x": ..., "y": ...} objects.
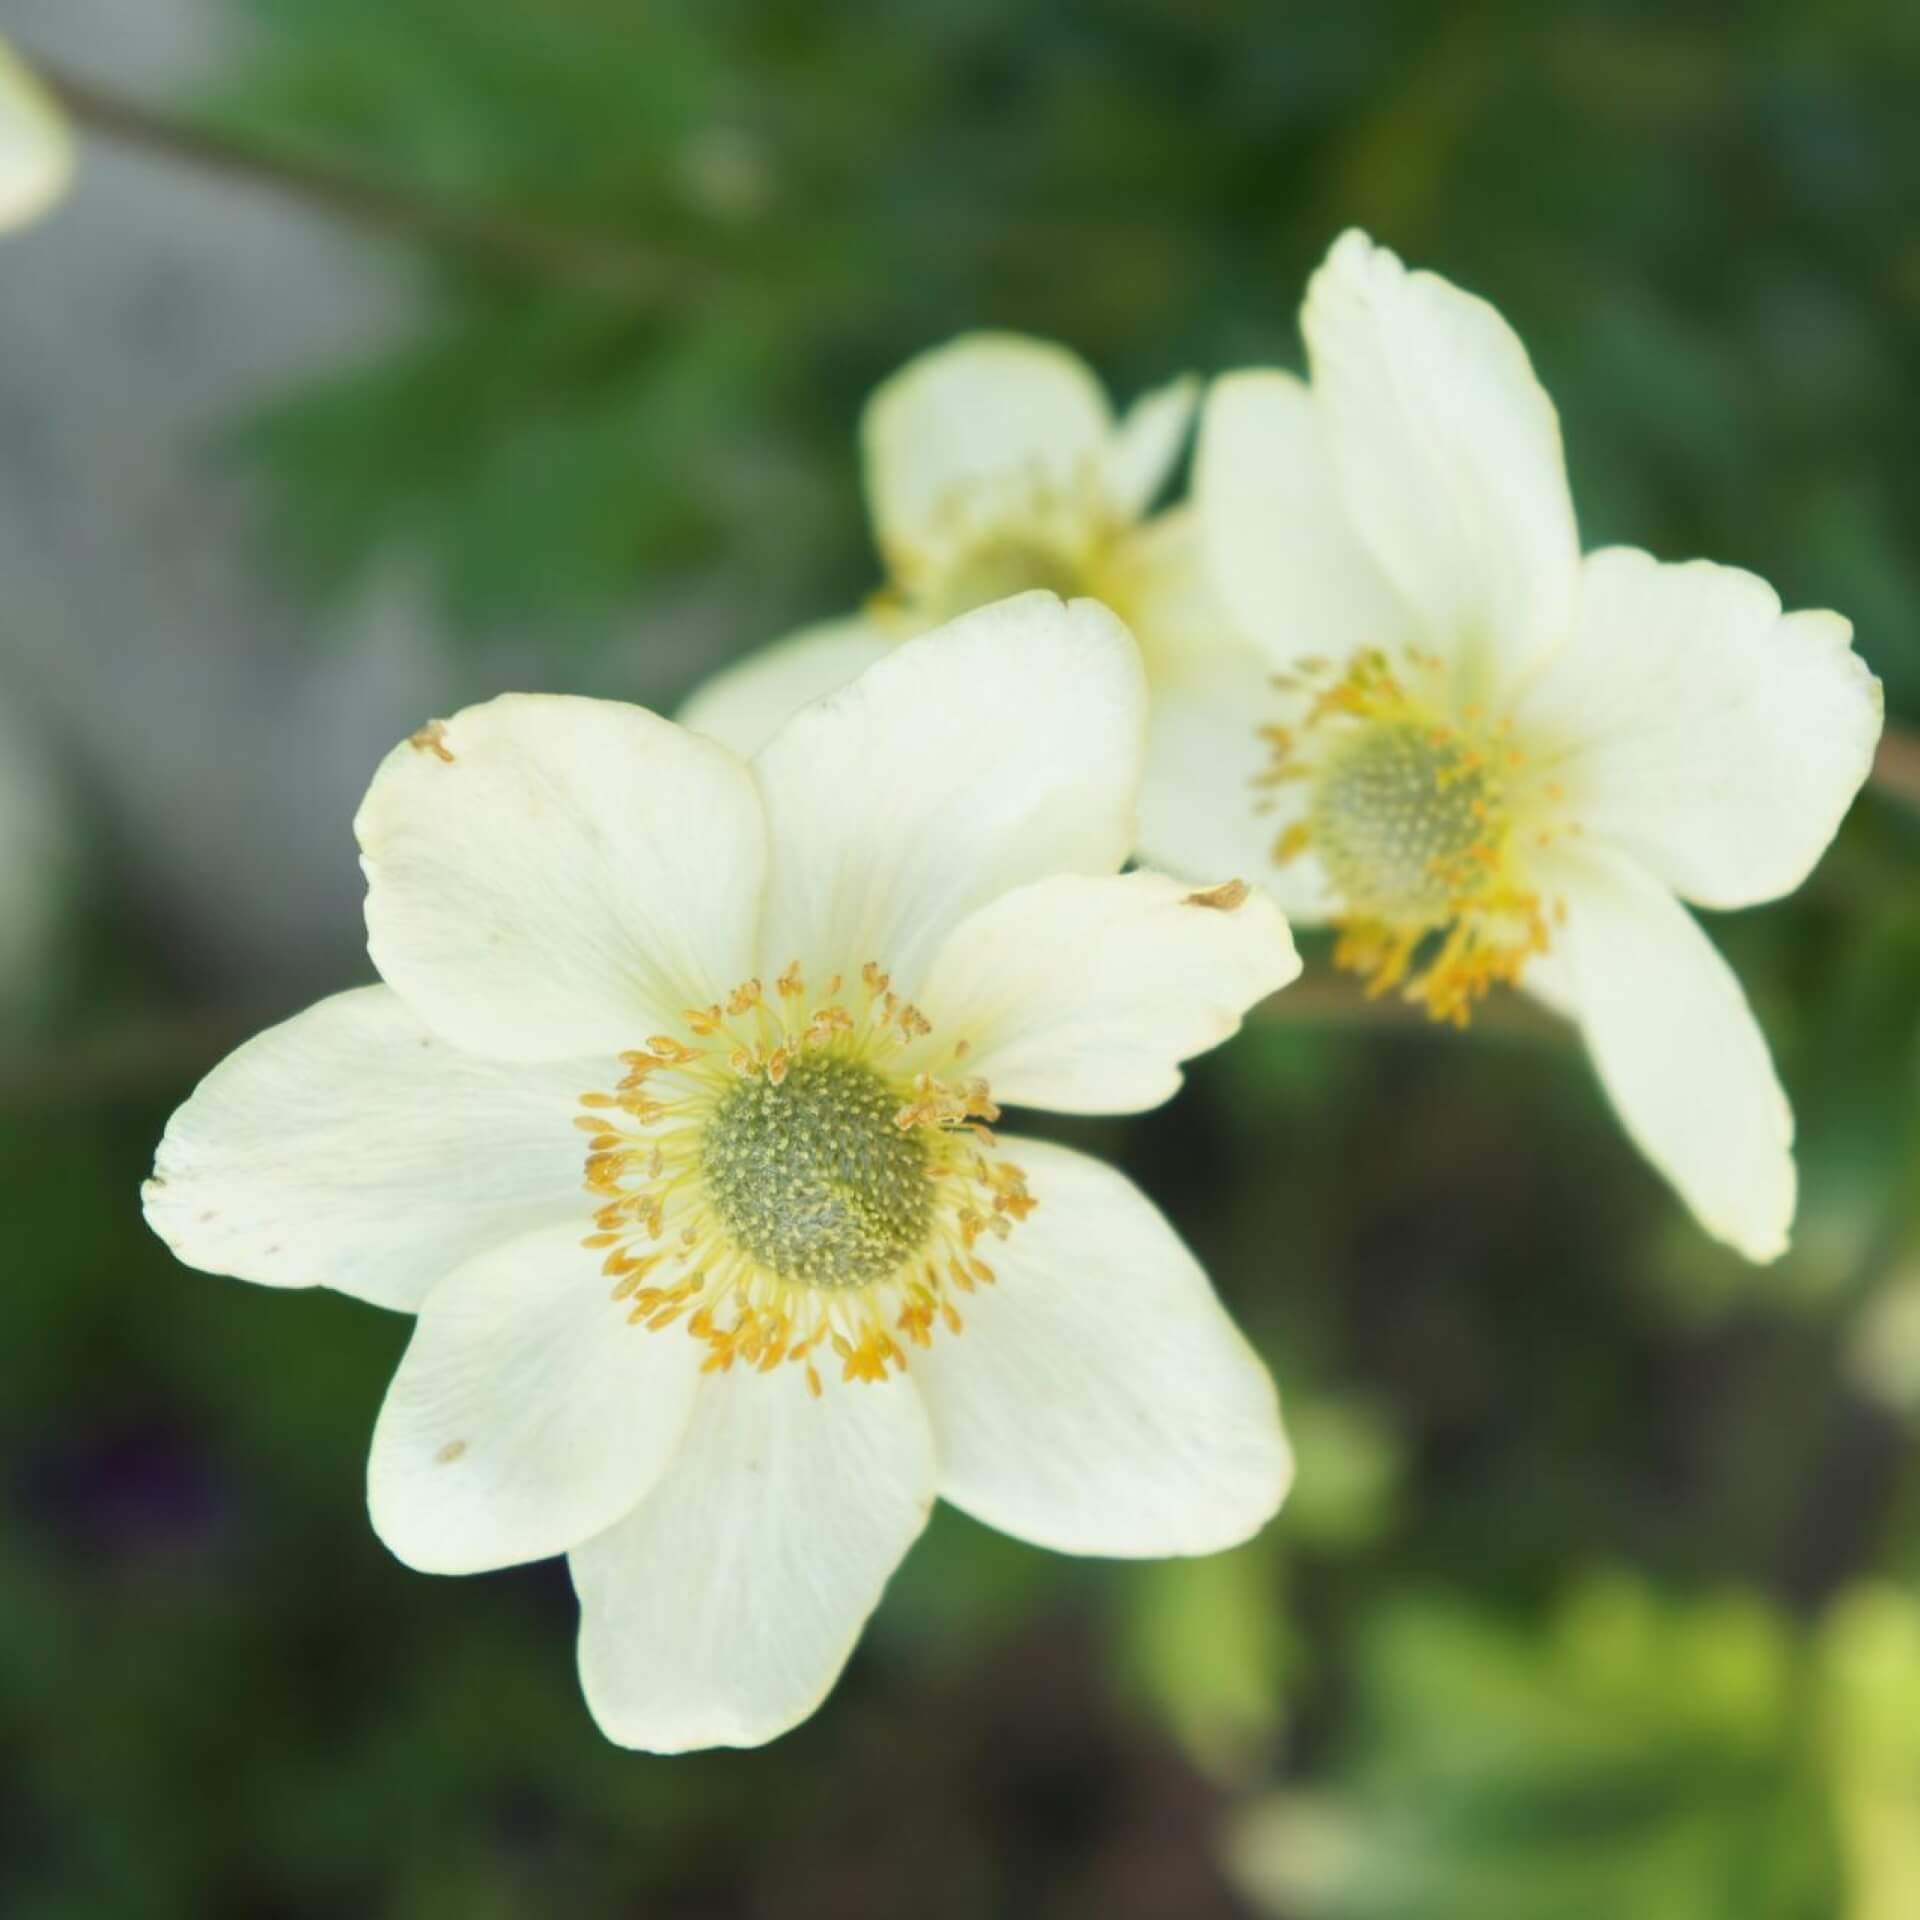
[
  {"x": 1676, "y": 1047},
  {"x": 1200, "y": 811},
  {"x": 1286, "y": 560},
  {"x": 36, "y": 148},
  {"x": 1100, "y": 1400},
  {"x": 549, "y": 876},
  {"x": 351, "y": 1148},
  {"x": 1449, "y": 457},
  {"x": 1146, "y": 447},
  {"x": 527, "y": 1414},
  {"x": 1155, "y": 577},
  {"x": 1717, "y": 739},
  {"x": 1001, "y": 747},
  {"x": 988, "y": 411},
  {"x": 722, "y": 1610},
  {"x": 1550, "y": 980},
  {"x": 747, "y": 704},
  {"x": 1084, "y": 995}
]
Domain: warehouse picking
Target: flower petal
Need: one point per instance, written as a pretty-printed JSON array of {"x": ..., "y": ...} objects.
[
  {"x": 1677, "y": 1048},
  {"x": 1549, "y": 979},
  {"x": 351, "y": 1148},
  {"x": 1001, "y": 747},
  {"x": 1449, "y": 457},
  {"x": 1717, "y": 739},
  {"x": 549, "y": 876},
  {"x": 36, "y": 149},
  {"x": 528, "y": 1415},
  {"x": 985, "y": 411},
  {"x": 1286, "y": 560},
  {"x": 1155, "y": 577},
  {"x": 721, "y": 1612},
  {"x": 1201, "y": 812},
  {"x": 1146, "y": 447},
  {"x": 1084, "y": 995},
  {"x": 1100, "y": 1400},
  {"x": 746, "y": 705}
]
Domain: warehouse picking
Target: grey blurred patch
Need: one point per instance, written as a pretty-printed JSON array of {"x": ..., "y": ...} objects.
[{"x": 223, "y": 740}]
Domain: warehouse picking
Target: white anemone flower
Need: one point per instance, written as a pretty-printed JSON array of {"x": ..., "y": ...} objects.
[
  {"x": 36, "y": 148},
  {"x": 995, "y": 465},
  {"x": 674, "y": 1123},
  {"x": 1486, "y": 759}
]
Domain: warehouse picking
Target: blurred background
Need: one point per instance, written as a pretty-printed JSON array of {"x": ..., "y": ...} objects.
[{"x": 392, "y": 353}]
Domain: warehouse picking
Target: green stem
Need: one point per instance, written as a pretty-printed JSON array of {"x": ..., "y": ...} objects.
[{"x": 497, "y": 238}]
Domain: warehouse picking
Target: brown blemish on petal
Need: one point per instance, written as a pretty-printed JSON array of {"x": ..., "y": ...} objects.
[
  {"x": 1225, "y": 898},
  {"x": 449, "y": 1453},
  {"x": 432, "y": 738}
]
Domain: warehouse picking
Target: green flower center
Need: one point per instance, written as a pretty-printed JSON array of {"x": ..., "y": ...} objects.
[
  {"x": 1402, "y": 816},
  {"x": 1000, "y": 568},
  {"x": 814, "y": 1178}
]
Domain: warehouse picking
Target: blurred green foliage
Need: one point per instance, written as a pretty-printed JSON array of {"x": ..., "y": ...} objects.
[
  {"x": 697, "y": 233},
  {"x": 1701, "y": 218},
  {"x": 1676, "y": 1759}
]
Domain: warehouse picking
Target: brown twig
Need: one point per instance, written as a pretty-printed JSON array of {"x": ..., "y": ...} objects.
[
  {"x": 1323, "y": 998},
  {"x": 500, "y": 238},
  {"x": 1896, "y": 767},
  {"x": 157, "y": 1053}
]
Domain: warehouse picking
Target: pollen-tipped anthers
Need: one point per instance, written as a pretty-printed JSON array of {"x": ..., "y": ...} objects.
[
  {"x": 994, "y": 466},
  {"x": 1001, "y": 534},
  {"x": 809, "y": 1174},
  {"x": 788, "y": 1181},
  {"x": 1401, "y": 814},
  {"x": 1411, "y": 811}
]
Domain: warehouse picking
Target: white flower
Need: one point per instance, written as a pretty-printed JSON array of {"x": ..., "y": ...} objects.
[
  {"x": 673, "y": 1125},
  {"x": 1487, "y": 759},
  {"x": 36, "y": 149},
  {"x": 994, "y": 465}
]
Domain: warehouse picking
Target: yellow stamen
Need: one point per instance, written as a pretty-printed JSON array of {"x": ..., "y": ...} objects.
[
  {"x": 750, "y": 1195},
  {"x": 1411, "y": 810}
]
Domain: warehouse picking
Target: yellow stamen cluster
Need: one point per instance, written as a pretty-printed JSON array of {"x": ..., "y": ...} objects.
[
  {"x": 788, "y": 1182},
  {"x": 1411, "y": 812},
  {"x": 1002, "y": 534}
]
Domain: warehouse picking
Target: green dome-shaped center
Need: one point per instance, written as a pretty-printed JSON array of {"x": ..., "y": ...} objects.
[
  {"x": 1398, "y": 816},
  {"x": 813, "y": 1178}
]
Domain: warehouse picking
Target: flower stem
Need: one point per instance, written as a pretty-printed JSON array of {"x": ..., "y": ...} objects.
[
  {"x": 489, "y": 235},
  {"x": 1324, "y": 998},
  {"x": 1896, "y": 767}
]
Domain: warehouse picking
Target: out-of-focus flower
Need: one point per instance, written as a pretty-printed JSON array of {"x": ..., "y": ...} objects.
[
  {"x": 673, "y": 1122},
  {"x": 1485, "y": 759},
  {"x": 994, "y": 465},
  {"x": 1881, "y": 1352},
  {"x": 1295, "y": 1852},
  {"x": 36, "y": 148}
]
